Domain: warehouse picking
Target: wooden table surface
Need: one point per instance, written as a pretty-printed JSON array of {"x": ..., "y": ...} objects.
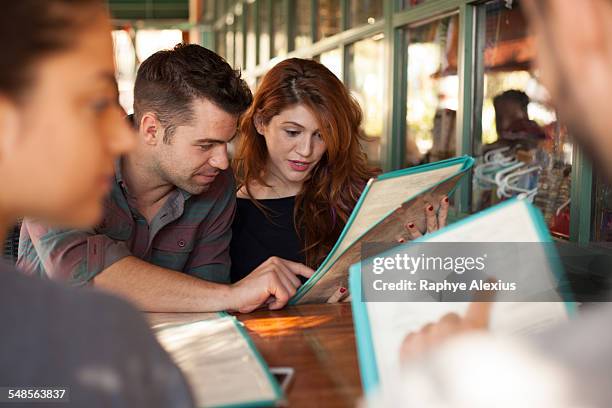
[{"x": 318, "y": 342}]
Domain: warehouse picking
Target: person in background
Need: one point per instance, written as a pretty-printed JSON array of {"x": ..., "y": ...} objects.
[
  {"x": 514, "y": 128},
  {"x": 61, "y": 128},
  {"x": 164, "y": 239}
]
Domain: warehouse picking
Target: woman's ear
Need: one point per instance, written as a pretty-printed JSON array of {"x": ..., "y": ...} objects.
[
  {"x": 9, "y": 127},
  {"x": 258, "y": 123}
]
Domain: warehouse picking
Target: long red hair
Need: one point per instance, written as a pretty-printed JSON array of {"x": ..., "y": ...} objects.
[{"x": 333, "y": 187}]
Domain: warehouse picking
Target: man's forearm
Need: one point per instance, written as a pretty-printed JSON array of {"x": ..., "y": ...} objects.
[{"x": 155, "y": 289}]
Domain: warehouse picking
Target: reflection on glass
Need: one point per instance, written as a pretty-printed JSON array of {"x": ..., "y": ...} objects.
[
  {"x": 329, "y": 18},
  {"x": 365, "y": 12},
  {"x": 264, "y": 31},
  {"x": 251, "y": 39},
  {"x": 433, "y": 90},
  {"x": 517, "y": 116},
  {"x": 279, "y": 28},
  {"x": 366, "y": 82},
  {"x": 333, "y": 61},
  {"x": 302, "y": 20}
]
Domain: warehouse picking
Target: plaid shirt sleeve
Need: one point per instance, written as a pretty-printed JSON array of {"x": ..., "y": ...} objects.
[
  {"x": 72, "y": 256},
  {"x": 210, "y": 258}
]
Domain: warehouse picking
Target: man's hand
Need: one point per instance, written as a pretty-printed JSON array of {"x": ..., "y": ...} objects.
[
  {"x": 273, "y": 282},
  {"x": 451, "y": 324}
]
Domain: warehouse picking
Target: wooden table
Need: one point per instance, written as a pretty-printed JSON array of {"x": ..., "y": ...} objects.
[{"x": 318, "y": 341}]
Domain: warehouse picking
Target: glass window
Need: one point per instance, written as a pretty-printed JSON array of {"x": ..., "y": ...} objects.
[
  {"x": 251, "y": 37},
  {"x": 365, "y": 12},
  {"x": 333, "y": 61},
  {"x": 302, "y": 21},
  {"x": 433, "y": 89},
  {"x": 521, "y": 135},
  {"x": 279, "y": 28},
  {"x": 329, "y": 18},
  {"x": 264, "y": 31},
  {"x": 366, "y": 82}
]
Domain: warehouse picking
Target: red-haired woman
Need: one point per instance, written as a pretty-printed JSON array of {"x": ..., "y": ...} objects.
[{"x": 300, "y": 168}]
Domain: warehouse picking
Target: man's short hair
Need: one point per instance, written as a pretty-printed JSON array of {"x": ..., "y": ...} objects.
[
  {"x": 169, "y": 81},
  {"x": 520, "y": 98}
]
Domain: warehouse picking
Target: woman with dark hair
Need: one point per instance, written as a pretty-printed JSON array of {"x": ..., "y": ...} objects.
[
  {"x": 61, "y": 129},
  {"x": 300, "y": 168}
]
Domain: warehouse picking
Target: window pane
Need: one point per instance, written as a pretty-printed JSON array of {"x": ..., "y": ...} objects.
[
  {"x": 302, "y": 20},
  {"x": 329, "y": 18},
  {"x": 517, "y": 115},
  {"x": 264, "y": 31},
  {"x": 279, "y": 27},
  {"x": 365, "y": 12},
  {"x": 366, "y": 82},
  {"x": 433, "y": 90},
  {"x": 251, "y": 38}
]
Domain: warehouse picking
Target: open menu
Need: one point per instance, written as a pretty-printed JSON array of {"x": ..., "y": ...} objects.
[
  {"x": 218, "y": 358},
  {"x": 381, "y": 326}
]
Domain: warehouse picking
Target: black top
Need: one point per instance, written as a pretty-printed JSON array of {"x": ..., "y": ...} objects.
[
  {"x": 256, "y": 237},
  {"x": 96, "y": 345}
]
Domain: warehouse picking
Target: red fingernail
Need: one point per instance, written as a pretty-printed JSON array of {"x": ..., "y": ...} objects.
[
  {"x": 446, "y": 199},
  {"x": 401, "y": 240},
  {"x": 342, "y": 290},
  {"x": 411, "y": 225},
  {"x": 430, "y": 208}
]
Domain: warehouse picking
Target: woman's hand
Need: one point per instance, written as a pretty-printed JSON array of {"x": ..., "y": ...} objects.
[{"x": 434, "y": 222}]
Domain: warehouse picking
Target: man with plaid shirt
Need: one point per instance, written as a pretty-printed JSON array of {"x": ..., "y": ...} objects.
[{"x": 164, "y": 239}]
